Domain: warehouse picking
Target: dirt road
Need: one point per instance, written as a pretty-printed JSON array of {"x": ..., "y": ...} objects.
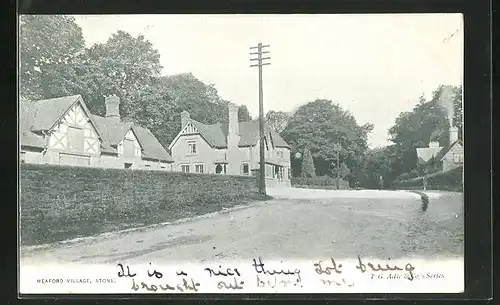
[{"x": 295, "y": 225}]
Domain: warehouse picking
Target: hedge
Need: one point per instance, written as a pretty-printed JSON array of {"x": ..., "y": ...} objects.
[
  {"x": 451, "y": 180},
  {"x": 321, "y": 182},
  {"x": 59, "y": 202}
]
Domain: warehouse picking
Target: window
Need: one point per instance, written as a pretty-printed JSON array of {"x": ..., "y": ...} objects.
[
  {"x": 218, "y": 169},
  {"x": 191, "y": 147},
  {"x": 458, "y": 158},
  {"x": 185, "y": 168},
  {"x": 75, "y": 139},
  {"x": 128, "y": 165},
  {"x": 128, "y": 148},
  {"x": 245, "y": 168},
  {"x": 147, "y": 166},
  {"x": 198, "y": 168},
  {"x": 162, "y": 167}
]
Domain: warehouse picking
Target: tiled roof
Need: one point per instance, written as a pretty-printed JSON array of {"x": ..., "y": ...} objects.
[
  {"x": 27, "y": 112},
  {"x": 49, "y": 111},
  {"x": 42, "y": 115},
  {"x": 443, "y": 152},
  {"x": 112, "y": 131},
  {"x": 216, "y": 134},
  {"x": 152, "y": 149}
]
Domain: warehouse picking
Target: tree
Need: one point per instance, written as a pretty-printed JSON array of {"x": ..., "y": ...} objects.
[
  {"x": 47, "y": 45},
  {"x": 308, "y": 169},
  {"x": 377, "y": 162},
  {"x": 428, "y": 121},
  {"x": 320, "y": 125},
  {"x": 277, "y": 120},
  {"x": 122, "y": 65}
]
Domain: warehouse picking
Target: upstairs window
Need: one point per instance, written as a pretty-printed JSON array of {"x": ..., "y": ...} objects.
[
  {"x": 245, "y": 169},
  {"x": 191, "y": 147},
  {"x": 75, "y": 139}
]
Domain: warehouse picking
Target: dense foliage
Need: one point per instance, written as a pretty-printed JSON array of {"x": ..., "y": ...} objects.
[{"x": 323, "y": 127}]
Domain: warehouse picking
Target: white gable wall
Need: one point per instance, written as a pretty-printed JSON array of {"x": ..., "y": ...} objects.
[
  {"x": 130, "y": 136},
  {"x": 75, "y": 124}
]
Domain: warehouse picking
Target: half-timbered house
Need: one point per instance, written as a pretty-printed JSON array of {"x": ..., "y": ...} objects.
[{"x": 62, "y": 131}]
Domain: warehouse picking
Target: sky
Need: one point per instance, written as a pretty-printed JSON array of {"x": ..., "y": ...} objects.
[{"x": 374, "y": 66}]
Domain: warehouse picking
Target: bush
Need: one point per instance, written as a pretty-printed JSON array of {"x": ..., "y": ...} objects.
[
  {"x": 451, "y": 180},
  {"x": 325, "y": 182},
  {"x": 446, "y": 181}
]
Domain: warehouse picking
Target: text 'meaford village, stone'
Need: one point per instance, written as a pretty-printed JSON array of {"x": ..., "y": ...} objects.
[{"x": 62, "y": 131}]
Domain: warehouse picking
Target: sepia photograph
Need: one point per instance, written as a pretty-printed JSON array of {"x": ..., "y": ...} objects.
[{"x": 241, "y": 153}]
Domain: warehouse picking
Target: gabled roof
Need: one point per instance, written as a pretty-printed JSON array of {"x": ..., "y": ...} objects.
[
  {"x": 425, "y": 154},
  {"x": 114, "y": 132},
  {"x": 38, "y": 116},
  {"x": 216, "y": 134},
  {"x": 43, "y": 115},
  {"x": 152, "y": 149},
  {"x": 443, "y": 153},
  {"x": 49, "y": 111}
]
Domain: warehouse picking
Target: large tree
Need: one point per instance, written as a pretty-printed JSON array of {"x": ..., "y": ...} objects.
[
  {"x": 122, "y": 65},
  {"x": 277, "y": 120},
  {"x": 321, "y": 125},
  {"x": 428, "y": 121},
  {"x": 47, "y": 45}
]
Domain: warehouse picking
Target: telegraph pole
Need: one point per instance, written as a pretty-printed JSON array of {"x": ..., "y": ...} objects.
[
  {"x": 260, "y": 59},
  {"x": 337, "y": 148}
]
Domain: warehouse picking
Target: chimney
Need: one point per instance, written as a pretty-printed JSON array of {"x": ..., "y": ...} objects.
[
  {"x": 453, "y": 134},
  {"x": 233, "y": 119},
  {"x": 184, "y": 118},
  {"x": 112, "y": 107},
  {"x": 233, "y": 139}
]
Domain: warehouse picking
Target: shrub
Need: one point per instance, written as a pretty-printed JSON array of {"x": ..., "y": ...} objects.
[
  {"x": 446, "y": 181},
  {"x": 308, "y": 169},
  {"x": 451, "y": 180},
  {"x": 319, "y": 182}
]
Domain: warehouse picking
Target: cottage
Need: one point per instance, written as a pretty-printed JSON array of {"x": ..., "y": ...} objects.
[
  {"x": 230, "y": 149},
  {"x": 62, "y": 131},
  {"x": 448, "y": 157}
]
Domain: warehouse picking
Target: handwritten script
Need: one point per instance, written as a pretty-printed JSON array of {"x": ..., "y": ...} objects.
[{"x": 329, "y": 273}]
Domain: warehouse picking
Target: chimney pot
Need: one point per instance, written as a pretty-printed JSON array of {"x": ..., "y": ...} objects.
[{"x": 113, "y": 107}]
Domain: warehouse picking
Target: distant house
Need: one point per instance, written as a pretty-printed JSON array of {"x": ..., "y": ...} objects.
[
  {"x": 62, "y": 131},
  {"x": 448, "y": 157},
  {"x": 229, "y": 149}
]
